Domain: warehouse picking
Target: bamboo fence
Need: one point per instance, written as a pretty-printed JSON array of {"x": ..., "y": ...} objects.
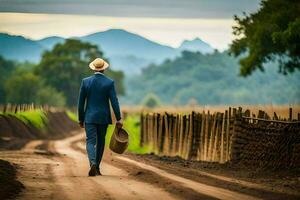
[{"x": 207, "y": 136}]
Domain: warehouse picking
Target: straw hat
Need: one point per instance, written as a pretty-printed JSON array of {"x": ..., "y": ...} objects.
[{"x": 98, "y": 64}]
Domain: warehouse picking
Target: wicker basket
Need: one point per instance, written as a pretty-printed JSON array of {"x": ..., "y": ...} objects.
[{"x": 119, "y": 140}]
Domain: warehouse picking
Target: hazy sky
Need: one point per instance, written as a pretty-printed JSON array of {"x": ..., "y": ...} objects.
[{"x": 167, "y": 22}]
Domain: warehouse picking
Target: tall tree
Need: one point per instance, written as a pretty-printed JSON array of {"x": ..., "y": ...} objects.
[
  {"x": 271, "y": 34},
  {"x": 6, "y": 69},
  {"x": 66, "y": 64},
  {"x": 22, "y": 88},
  {"x": 26, "y": 87}
]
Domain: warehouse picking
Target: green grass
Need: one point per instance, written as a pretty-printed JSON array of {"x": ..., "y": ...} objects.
[
  {"x": 72, "y": 116},
  {"x": 37, "y": 118},
  {"x": 132, "y": 126}
]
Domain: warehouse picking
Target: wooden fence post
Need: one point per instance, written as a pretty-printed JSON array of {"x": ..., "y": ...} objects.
[
  {"x": 222, "y": 136},
  {"x": 182, "y": 135},
  {"x": 173, "y": 133},
  {"x": 215, "y": 139},
  {"x": 159, "y": 134},
  {"x": 190, "y": 136},
  {"x": 202, "y": 135},
  {"x": 211, "y": 137},
  {"x": 166, "y": 141},
  {"x": 142, "y": 130},
  {"x": 147, "y": 136},
  {"x": 206, "y": 135},
  {"x": 177, "y": 134},
  {"x": 228, "y": 136},
  {"x": 154, "y": 135},
  {"x": 186, "y": 133},
  {"x": 4, "y": 108},
  {"x": 198, "y": 136}
]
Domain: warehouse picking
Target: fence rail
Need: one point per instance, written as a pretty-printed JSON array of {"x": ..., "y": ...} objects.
[{"x": 15, "y": 108}]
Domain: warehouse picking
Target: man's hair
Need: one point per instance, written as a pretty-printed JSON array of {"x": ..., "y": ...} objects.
[{"x": 102, "y": 71}]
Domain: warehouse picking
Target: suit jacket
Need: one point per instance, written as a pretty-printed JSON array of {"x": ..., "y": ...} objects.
[{"x": 93, "y": 104}]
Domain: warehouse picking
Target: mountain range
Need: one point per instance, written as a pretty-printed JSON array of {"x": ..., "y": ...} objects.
[{"x": 123, "y": 48}]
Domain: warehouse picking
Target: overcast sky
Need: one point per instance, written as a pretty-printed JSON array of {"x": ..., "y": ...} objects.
[{"x": 165, "y": 21}]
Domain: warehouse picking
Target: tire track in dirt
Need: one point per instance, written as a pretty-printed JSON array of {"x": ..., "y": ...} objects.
[
  {"x": 141, "y": 175},
  {"x": 47, "y": 174},
  {"x": 60, "y": 172},
  {"x": 204, "y": 189},
  {"x": 34, "y": 171},
  {"x": 114, "y": 185},
  {"x": 71, "y": 176},
  {"x": 229, "y": 181}
]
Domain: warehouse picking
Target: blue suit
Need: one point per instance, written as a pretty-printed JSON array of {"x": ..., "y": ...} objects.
[
  {"x": 93, "y": 109},
  {"x": 96, "y": 91}
]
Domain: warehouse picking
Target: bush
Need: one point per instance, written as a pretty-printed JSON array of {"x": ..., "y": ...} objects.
[
  {"x": 26, "y": 87},
  {"x": 50, "y": 96},
  {"x": 151, "y": 101}
]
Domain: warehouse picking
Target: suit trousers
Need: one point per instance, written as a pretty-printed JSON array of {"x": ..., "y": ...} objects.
[{"x": 95, "y": 142}]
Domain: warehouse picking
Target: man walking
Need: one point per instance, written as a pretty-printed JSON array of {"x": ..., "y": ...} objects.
[{"x": 94, "y": 111}]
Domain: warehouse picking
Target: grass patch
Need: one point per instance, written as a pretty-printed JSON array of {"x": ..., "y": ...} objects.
[
  {"x": 37, "y": 118},
  {"x": 132, "y": 126},
  {"x": 72, "y": 116}
]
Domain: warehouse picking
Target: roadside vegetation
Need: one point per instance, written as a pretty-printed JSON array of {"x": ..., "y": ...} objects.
[
  {"x": 132, "y": 126},
  {"x": 72, "y": 115},
  {"x": 36, "y": 118}
]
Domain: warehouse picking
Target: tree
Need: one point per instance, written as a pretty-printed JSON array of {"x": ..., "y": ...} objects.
[
  {"x": 26, "y": 87},
  {"x": 6, "y": 69},
  {"x": 151, "y": 100},
  {"x": 271, "y": 34},
  {"x": 49, "y": 96},
  {"x": 22, "y": 88},
  {"x": 119, "y": 77},
  {"x": 66, "y": 65}
]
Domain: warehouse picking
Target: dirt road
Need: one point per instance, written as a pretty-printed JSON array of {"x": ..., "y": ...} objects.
[{"x": 58, "y": 170}]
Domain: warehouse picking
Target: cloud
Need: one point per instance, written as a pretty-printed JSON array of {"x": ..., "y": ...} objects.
[{"x": 135, "y": 8}]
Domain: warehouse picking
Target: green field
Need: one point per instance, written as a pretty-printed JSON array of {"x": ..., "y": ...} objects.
[{"x": 36, "y": 118}]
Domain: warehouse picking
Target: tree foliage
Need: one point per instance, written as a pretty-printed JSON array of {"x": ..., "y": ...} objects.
[
  {"x": 66, "y": 64},
  {"x": 271, "y": 34},
  {"x": 26, "y": 87},
  {"x": 6, "y": 70},
  {"x": 49, "y": 96},
  {"x": 151, "y": 100},
  {"x": 211, "y": 79}
]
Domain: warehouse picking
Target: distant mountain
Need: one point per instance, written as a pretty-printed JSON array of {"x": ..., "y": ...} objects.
[
  {"x": 49, "y": 42},
  {"x": 19, "y": 48},
  {"x": 126, "y": 51},
  {"x": 129, "y": 64},
  {"x": 196, "y": 45},
  {"x": 120, "y": 42}
]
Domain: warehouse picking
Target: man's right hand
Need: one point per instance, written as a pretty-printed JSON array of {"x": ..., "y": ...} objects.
[
  {"x": 119, "y": 123},
  {"x": 81, "y": 124}
]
